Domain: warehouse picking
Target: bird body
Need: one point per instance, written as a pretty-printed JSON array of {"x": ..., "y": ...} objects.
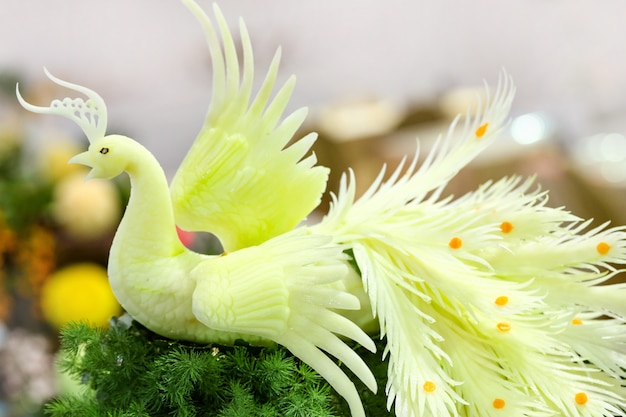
[
  {"x": 481, "y": 299},
  {"x": 272, "y": 292}
]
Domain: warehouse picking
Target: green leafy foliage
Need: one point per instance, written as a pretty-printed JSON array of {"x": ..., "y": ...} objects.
[
  {"x": 24, "y": 196},
  {"x": 129, "y": 371}
]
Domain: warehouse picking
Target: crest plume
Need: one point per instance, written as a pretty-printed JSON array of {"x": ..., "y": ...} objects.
[{"x": 90, "y": 115}]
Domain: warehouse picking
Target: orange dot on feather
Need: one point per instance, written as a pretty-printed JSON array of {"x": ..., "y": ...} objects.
[
  {"x": 455, "y": 243},
  {"x": 603, "y": 248},
  {"x": 429, "y": 386},
  {"x": 503, "y": 327},
  {"x": 581, "y": 398},
  {"x": 502, "y": 300},
  {"x": 506, "y": 227},
  {"x": 498, "y": 403},
  {"x": 482, "y": 129}
]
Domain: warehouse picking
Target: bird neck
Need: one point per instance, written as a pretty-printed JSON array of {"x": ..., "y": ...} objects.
[{"x": 147, "y": 230}]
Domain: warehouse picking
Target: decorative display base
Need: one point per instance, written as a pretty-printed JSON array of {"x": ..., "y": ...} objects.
[{"x": 127, "y": 370}]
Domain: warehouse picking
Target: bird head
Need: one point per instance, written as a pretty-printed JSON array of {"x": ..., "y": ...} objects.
[
  {"x": 106, "y": 154},
  {"x": 107, "y": 157}
]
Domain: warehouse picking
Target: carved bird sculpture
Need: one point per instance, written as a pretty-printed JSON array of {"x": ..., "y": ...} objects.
[{"x": 490, "y": 303}]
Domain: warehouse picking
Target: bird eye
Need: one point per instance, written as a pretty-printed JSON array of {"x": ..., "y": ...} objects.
[{"x": 104, "y": 151}]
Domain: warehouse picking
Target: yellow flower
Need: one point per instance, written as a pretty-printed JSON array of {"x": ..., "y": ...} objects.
[
  {"x": 85, "y": 209},
  {"x": 79, "y": 292},
  {"x": 53, "y": 159}
]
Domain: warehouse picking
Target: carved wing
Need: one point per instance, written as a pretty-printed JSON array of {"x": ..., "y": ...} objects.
[
  {"x": 240, "y": 180},
  {"x": 289, "y": 290}
]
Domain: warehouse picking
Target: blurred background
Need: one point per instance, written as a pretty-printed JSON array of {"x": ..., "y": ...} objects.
[{"x": 375, "y": 75}]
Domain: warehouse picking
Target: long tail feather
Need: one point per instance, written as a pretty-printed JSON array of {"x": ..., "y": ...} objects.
[{"x": 481, "y": 299}]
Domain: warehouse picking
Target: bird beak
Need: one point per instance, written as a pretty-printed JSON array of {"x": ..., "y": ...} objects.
[{"x": 83, "y": 158}]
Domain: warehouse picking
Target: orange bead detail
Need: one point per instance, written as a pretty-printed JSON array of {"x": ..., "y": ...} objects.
[
  {"x": 429, "y": 386},
  {"x": 499, "y": 403},
  {"x": 577, "y": 322},
  {"x": 603, "y": 248},
  {"x": 482, "y": 129},
  {"x": 455, "y": 243},
  {"x": 506, "y": 227},
  {"x": 581, "y": 398},
  {"x": 503, "y": 327},
  {"x": 502, "y": 300}
]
